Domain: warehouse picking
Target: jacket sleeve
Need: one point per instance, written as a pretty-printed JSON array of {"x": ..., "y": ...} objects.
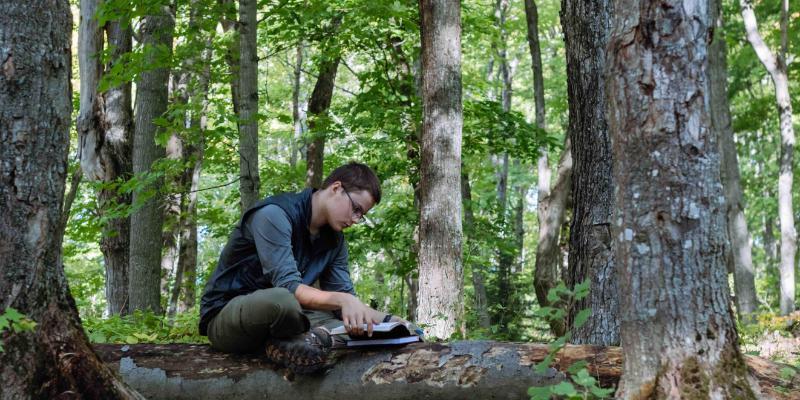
[
  {"x": 336, "y": 276},
  {"x": 272, "y": 234}
]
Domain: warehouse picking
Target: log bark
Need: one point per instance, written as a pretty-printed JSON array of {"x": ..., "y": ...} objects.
[
  {"x": 459, "y": 370},
  {"x": 741, "y": 259},
  {"x": 586, "y": 29},
  {"x": 440, "y": 272},
  {"x": 249, "y": 182},
  {"x": 775, "y": 64},
  {"x": 54, "y": 359},
  {"x": 669, "y": 229},
  {"x": 151, "y": 103}
]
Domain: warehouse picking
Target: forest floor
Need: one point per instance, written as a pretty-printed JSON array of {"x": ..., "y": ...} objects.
[{"x": 780, "y": 341}]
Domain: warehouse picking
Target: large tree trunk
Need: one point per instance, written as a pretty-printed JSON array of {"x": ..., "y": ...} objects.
[
  {"x": 54, "y": 359},
  {"x": 151, "y": 103},
  {"x": 740, "y": 262},
  {"x": 118, "y": 122},
  {"x": 104, "y": 128},
  {"x": 481, "y": 304},
  {"x": 552, "y": 210},
  {"x": 669, "y": 232},
  {"x": 249, "y": 184},
  {"x": 440, "y": 293},
  {"x": 586, "y": 29},
  {"x": 318, "y": 107},
  {"x": 776, "y": 66},
  {"x": 459, "y": 370}
]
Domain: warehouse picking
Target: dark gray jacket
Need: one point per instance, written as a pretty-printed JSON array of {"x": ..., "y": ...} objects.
[{"x": 250, "y": 261}]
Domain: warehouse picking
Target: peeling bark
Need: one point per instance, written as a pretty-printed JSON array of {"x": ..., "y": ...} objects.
[
  {"x": 458, "y": 370},
  {"x": 669, "y": 229}
]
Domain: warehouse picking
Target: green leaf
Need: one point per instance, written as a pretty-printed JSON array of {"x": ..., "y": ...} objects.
[
  {"x": 543, "y": 365},
  {"x": 584, "y": 379},
  {"x": 582, "y": 289},
  {"x": 539, "y": 392},
  {"x": 12, "y": 314},
  {"x": 4, "y": 324},
  {"x": 600, "y": 392},
  {"x": 582, "y": 317},
  {"x": 577, "y": 366},
  {"x": 564, "y": 389}
]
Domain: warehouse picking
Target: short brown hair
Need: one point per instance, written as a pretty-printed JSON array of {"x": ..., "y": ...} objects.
[{"x": 356, "y": 176}]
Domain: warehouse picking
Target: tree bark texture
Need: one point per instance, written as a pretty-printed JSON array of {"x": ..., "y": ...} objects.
[
  {"x": 117, "y": 155},
  {"x": 54, "y": 360},
  {"x": 776, "y": 66},
  {"x": 740, "y": 262},
  {"x": 440, "y": 273},
  {"x": 478, "y": 285},
  {"x": 318, "y": 107},
  {"x": 151, "y": 103},
  {"x": 677, "y": 328},
  {"x": 249, "y": 182},
  {"x": 458, "y": 370},
  {"x": 552, "y": 210},
  {"x": 104, "y": 128},
  {"x": 586, "y": 29}
]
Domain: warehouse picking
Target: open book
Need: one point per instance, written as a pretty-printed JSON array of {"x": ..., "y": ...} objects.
[{"x": 386, "y": 333}]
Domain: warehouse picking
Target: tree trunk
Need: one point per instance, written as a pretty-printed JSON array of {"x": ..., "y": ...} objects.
[
  {"x": 104, "y": 128},
  {"x": 586, "y": 29},
  {"x": 297, "y": 118},
  {"x": 249, "y": 184},
  {"x": 318, "y": 107},
  {"x": 552, "y": 210},
  {"x": 776, "y": 66},
  {"x": 677, "y": 328},
  {"x": 151, "y": 103},
  {"x": 459, "y": 370},
  {"x": 117, "y": 153},
  {"x": 481, "y": 304},
  {"x": 54, "y": 359},
  {"x": 440, "y": 293},
  {"x": 740, "y": 262}
]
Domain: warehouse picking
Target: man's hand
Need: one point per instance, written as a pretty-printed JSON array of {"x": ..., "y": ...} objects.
[{"x": 355, "y": 314}]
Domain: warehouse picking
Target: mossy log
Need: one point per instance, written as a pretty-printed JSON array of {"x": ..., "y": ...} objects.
[{"x": 458, "y": 370}]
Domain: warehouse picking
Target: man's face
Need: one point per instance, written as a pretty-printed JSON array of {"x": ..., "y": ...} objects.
[{"x": 348, "y": 207}]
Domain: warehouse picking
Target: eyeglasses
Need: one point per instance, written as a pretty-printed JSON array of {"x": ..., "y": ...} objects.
[{"x": 358, "y": 211}]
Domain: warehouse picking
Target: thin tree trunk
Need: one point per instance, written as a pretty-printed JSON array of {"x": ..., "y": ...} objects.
[
  {"x": 776, "y": 66},
  {"x": 481, "y": 303},
  {"x": 249, "y": 184},
  {"x": 586, "y": 29},
  {"x": 677, "y": 329},
  {"x": 90, "y": 133},
  {"x": 741, "y": 261},
  {"x": 174, "y": 203},
  {"x": 440, "y": 299},
  {"x": 147, "y": 221},
  {"x": 296, "y": 117},
  {"x": 318, "y": 107},
  {"x": 552, "y": 210},
  {"x": 54, "y": 359},
  {"x": 117, "y": 151}
]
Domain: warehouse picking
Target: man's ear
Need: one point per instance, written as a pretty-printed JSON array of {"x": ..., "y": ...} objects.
[{"x": 335, "y": 186}]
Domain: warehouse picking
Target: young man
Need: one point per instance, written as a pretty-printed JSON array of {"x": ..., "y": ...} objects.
[{"x": 261, "y": 298}]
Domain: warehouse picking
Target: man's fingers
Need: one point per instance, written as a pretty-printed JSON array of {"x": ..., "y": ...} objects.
[{"x": 369, "y": 329}]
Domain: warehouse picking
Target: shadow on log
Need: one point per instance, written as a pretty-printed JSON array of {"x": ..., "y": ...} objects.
[{"x": 459, "y": 370}]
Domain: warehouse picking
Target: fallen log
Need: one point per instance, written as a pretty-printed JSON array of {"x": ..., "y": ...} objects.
[{"x": 466, "y": 369}]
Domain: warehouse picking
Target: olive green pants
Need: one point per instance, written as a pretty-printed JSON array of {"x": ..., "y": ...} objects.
[{"x": 247, "y": 321}]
